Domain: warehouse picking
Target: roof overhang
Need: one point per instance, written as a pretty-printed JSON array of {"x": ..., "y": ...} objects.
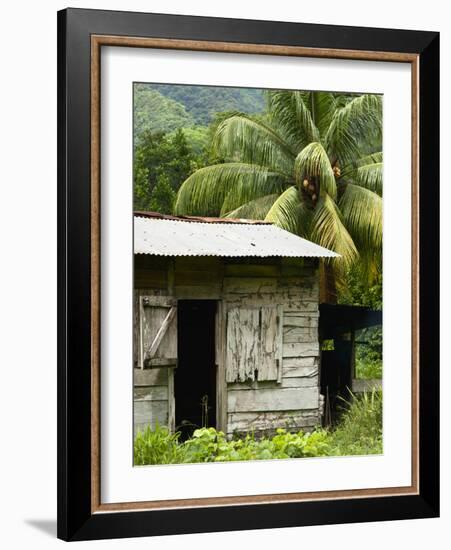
[{"x": 170, "y": 236}]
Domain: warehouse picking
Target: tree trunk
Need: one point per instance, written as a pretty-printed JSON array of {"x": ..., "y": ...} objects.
[{"x": 327, "y": 284}]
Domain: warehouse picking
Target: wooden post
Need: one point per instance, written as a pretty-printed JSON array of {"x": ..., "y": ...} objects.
[
  {"x": 221, "y": 385},
  {"x": 171, "y": 400}
]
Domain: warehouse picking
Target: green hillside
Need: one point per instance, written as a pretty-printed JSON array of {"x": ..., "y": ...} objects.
[
  {"x": 202, "y": 102},
  {"x": 155, "y": 112}
]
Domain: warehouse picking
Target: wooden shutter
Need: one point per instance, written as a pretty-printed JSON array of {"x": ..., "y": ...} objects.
[
  {"x": 157, "y": 331},
  {"x": 242, "y": 352},
  {"x": 270, "y": 364},
  {"x": 254, "y": 344}
]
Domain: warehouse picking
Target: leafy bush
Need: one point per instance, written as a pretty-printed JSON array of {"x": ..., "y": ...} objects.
[
  {"x": 358, "y": 433},
  {"x": 159, "y": 446},
  {"x": 209, "y": 445}
]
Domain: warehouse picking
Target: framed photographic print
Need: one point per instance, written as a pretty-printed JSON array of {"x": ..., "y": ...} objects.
[{"x": 248, "y": 274}]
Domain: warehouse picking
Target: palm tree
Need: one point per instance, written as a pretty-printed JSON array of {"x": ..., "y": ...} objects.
[{"x": 312, "y": 166}]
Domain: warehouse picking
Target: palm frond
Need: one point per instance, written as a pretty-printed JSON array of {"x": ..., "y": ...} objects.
[
  {"x": 293, "y": 117},
  {"x": 322, "y": 106},
  {"x": 369, "y": 176},
  {"x": 359, "y": 121},
  {"x": 290, "y": 213},
  {"x": 203, "y": 193},
  {"x": 254, "y": 182},
  {"x": 239, "y": 138},
  {"x": 255, "y": 209},
  {"x": 371, "y": 158},
  {"x": 361, "y": 210},
  {"x": 313, "y": 161},
  {"x": 329, "y": 231}
]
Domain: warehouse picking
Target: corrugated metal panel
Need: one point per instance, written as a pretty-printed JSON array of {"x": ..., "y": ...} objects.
[{"x": 165, "y": 237}]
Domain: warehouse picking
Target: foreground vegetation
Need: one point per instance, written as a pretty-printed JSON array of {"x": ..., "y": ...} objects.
[{"x": 358, "y": 433}]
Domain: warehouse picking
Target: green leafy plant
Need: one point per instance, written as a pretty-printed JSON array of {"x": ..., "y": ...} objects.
[{"x": 157, "y": 446}]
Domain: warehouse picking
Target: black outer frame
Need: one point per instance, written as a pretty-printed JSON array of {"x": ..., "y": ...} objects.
[{"x": 75, "y": 521}]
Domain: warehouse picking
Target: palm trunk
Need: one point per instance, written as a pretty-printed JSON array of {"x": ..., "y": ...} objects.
[{"x": 327, "y": 284}]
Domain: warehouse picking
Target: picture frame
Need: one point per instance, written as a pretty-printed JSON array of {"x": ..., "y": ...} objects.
[{"x": 81, "y": 36}]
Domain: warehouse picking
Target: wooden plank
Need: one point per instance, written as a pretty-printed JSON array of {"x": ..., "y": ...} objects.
[
  {"x": 197, "y": 263},
  {"x": 293, "y": 281},
  {"x": 273, "y": 399},
  {"x": 150, "y": 393},
  {"x": 289, "y": 420},
  {"x": 279, "y": 348},
  {"x": 251, "y": 270},
  {"x": 300, "y": 382},
  {"x": 150, "y": 412},
  {"x": 201, "y": 292},
  {"x": 289, "y": 303},
  {"x": 297, "y": 262},
  {"x": 150, "y": 377},
  {"x": 242, "y": 351},
  {"x": 150, "y": 279},
  {"x": 221, "y": 384},
  {"x": 292, "y": 335},
  {"x": 286, "y": 382},
  {"x": 270, "y": 353},
  {"x": 303, "y": 349},
  {"x": 170, "y": 277},
  {"x": 141, "y": 322},
  {"x": 136, "y": 331},
  {"x": 196, "y": 278},
  {"x": 298, "y": 320},
  {"x": 171, "y": 400},
  {"x": 296, "y": 371},
  {"x": 360, "y": 385},
  {"x": 300, "y": 292},
  {"x": 254, "y": 285},
  {"x": 150, "y": 262},
  {"x": 157, "y": 362},
  {"x": 161, "y": 332},
  {"x": 300, "y": 362},
  {"x": 253, "y": 385},
  {"x": 158, "y": 301}
]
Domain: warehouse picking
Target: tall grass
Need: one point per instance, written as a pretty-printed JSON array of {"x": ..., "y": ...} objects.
[{"x": 359, "y": 431}]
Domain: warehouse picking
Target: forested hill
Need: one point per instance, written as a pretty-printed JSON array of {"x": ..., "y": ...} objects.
[{"x": 202, "y": 102}]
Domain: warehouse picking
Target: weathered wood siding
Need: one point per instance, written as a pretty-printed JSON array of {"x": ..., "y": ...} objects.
[
  {"x": 290, "y": 400},
  {"x": 150, "y": 397},
  {"x": 282, "y": 389},
  {"x": 153, "y": 399}
]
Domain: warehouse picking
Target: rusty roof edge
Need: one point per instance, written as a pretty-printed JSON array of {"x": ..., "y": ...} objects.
[{"x": 198, "y": 219}]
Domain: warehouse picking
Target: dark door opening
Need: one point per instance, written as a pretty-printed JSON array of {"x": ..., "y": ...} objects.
[
  {"x": 336, "y": 378},
  {"x": 195, "y": 375}
]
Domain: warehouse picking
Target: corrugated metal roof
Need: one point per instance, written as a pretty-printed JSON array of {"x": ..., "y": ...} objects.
[
  {"x": 202, "y": 219},
  {"x": 178, "y": 237}
]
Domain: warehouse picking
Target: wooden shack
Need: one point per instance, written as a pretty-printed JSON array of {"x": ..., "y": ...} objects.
[{"x": 225, "y": 325}]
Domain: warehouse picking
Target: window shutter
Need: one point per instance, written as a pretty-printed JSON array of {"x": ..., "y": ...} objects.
[
  {"x": 254, "y": 344},
  {"x": 157, "y": 331},
  {"x": 243, "y": 344},
  {"x": 270, "y": 364}
]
